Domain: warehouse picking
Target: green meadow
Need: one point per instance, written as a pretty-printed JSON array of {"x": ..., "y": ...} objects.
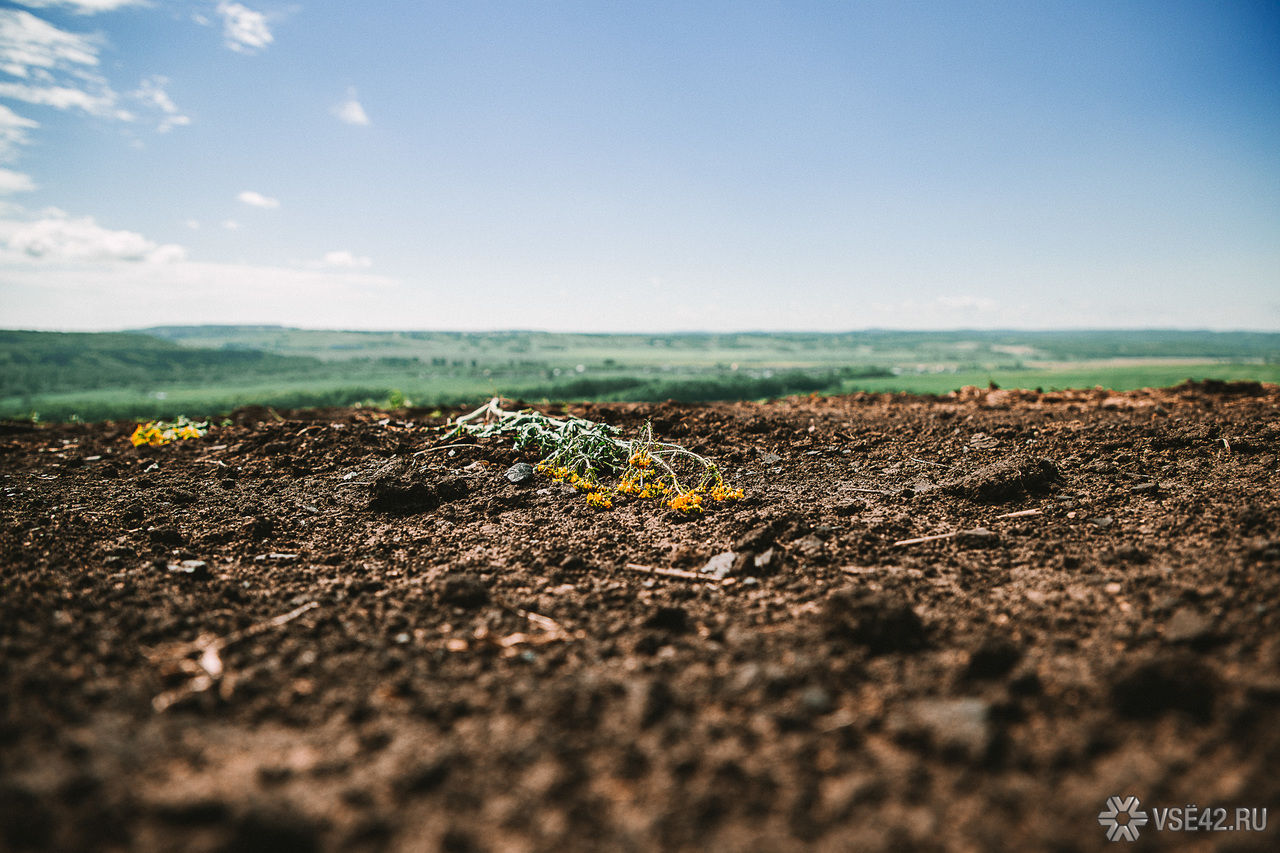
[{"x": 206, "y": 371}]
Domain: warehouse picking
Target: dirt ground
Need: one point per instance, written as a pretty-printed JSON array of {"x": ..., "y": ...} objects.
[{"x": 300, "y": 632}]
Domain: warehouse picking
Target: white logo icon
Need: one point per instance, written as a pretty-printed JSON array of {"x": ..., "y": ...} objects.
[{"x": 1122, "y": 818}]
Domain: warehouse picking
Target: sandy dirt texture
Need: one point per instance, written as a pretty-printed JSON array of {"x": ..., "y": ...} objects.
[{"x": 312, "y": 631}]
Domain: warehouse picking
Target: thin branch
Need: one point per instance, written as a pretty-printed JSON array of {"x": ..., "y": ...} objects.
[
  {"x": 446, "y": 447},
  {"x": 920, "y": 539},
  {"x": 927, "y": 462},
  {"x": 678, "y": 574},
  {"x": 1024, "y": 513},
  {"x": 209, "y": 670}
]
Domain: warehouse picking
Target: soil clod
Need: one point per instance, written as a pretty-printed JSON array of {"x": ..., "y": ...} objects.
[
  {"x": 1163, "y": 684},
  {"x": 464, "y": 590},
  {"x": 880, "y": 622},
  {"x": 1005, "y": 480}
]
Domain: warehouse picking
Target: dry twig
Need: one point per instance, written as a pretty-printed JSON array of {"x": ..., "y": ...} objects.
[
  {"x": 678, "y": 574},
  {"x": 208, "y": 669},
  {"x": 1023, "y": 513}
]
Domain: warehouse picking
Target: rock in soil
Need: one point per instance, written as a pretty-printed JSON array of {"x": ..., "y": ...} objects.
[
  {"x": 520, "y": 473},
  {"x": 959, "y": 728},
  {"x": 422, "y": 656}
]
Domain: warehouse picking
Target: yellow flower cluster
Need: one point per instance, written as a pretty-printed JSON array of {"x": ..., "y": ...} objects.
[
  {"x": 597, "y": 496},
  {"x": 721, "y": 492},
  {"x": 648, "y": 476},
  {"x": 157, "y": 433},
  {"x": 689, "y": 503},
  {"x": 564, "y": 475},
  {"x": 634, "y": 484}
]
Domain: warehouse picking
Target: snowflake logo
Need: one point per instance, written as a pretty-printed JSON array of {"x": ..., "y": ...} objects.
[{"x": 1122, "y": 819}]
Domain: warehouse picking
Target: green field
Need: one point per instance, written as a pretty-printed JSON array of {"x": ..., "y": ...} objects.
[{"x": 208, "y": 370}]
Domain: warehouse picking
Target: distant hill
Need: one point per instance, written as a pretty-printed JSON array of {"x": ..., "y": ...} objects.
[
  {"x": 204, "y": 370},
  {"x": 882, "y": 344},
  {"x": 41, "y": 362}
]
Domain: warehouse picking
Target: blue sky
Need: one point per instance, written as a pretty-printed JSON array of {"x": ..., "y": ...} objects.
[{"x": 607, "y": 166}]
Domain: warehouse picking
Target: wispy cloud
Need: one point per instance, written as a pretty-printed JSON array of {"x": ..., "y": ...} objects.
[
  {"x": 151, "y": 93},
  {"x": 344, "y": 260},
  {"x": 29, "y": 45},
  {"x": 102, "y": 104},
  {"x": 83, "y": 7},
  {"x": 56, "y": 237},
  {"x": 245, "y": 30},
  {"x": 15, "y": 182},
  {"x": 255, "y": 199},
  {"x": 55, "y": 68},
  {"x": 13, "y": 133},
  {"x": 230, "y": 225},
  {"x": 351, "y": 111}
]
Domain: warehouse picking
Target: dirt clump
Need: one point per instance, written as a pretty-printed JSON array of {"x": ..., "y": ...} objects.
[{"x": 1015, "y": 476}]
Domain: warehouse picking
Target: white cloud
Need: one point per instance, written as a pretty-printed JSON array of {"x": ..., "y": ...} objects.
[
  {"x": 230, "y": 225},
  {"x": 151, "y": 94},
  {"x": 15, "y": 182},
  {"x": 53, "y": 67},
  {"x": 102, "y": 105},
  {"x": 29, "y": 45},
  {"x": 246, "y": 31},
  {"x": 343, "y": 259},
  {"x": 351, "y": 112},
  {"x": 59, "y": 238},
  {"x": 13, "y": 133},
  {"x": 193, "y": 224},
  {"x": 83, "y": 7},
  {"x": 254, "y": 199}
]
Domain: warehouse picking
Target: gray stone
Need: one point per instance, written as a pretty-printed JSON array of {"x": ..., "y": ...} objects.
[
  {"x": 816, "y": 700},
  {"x": 720, "y": 565},
  {"x": 957, "y": 726},
  {"x": 197, "y": 569},
  {"x": 808, "y": 545},
  {"x": 520, "y": 473},
  {"x": 1187, "y": 626},
  {"x": 767, "y": 562}
]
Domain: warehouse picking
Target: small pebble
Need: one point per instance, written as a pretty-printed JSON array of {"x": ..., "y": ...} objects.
[
  {"x": 520, "y": 473},
  {"x": 198, "y": 569}
]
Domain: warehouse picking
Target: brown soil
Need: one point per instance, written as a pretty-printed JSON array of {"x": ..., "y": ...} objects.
[{"x": 460, "y": 663}]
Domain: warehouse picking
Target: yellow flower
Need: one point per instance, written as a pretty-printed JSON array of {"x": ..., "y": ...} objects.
[
  {"x": 689, "y": 503},
  {"x": 721, "y": 492},
  {"x": 599, "y": 500},
  {"x": 158, "y": 433}
]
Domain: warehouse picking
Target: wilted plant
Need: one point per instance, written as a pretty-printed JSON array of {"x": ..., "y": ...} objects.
[
  {"x": 582, "y": 453},
  {"x": 163, "y": 432}
]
